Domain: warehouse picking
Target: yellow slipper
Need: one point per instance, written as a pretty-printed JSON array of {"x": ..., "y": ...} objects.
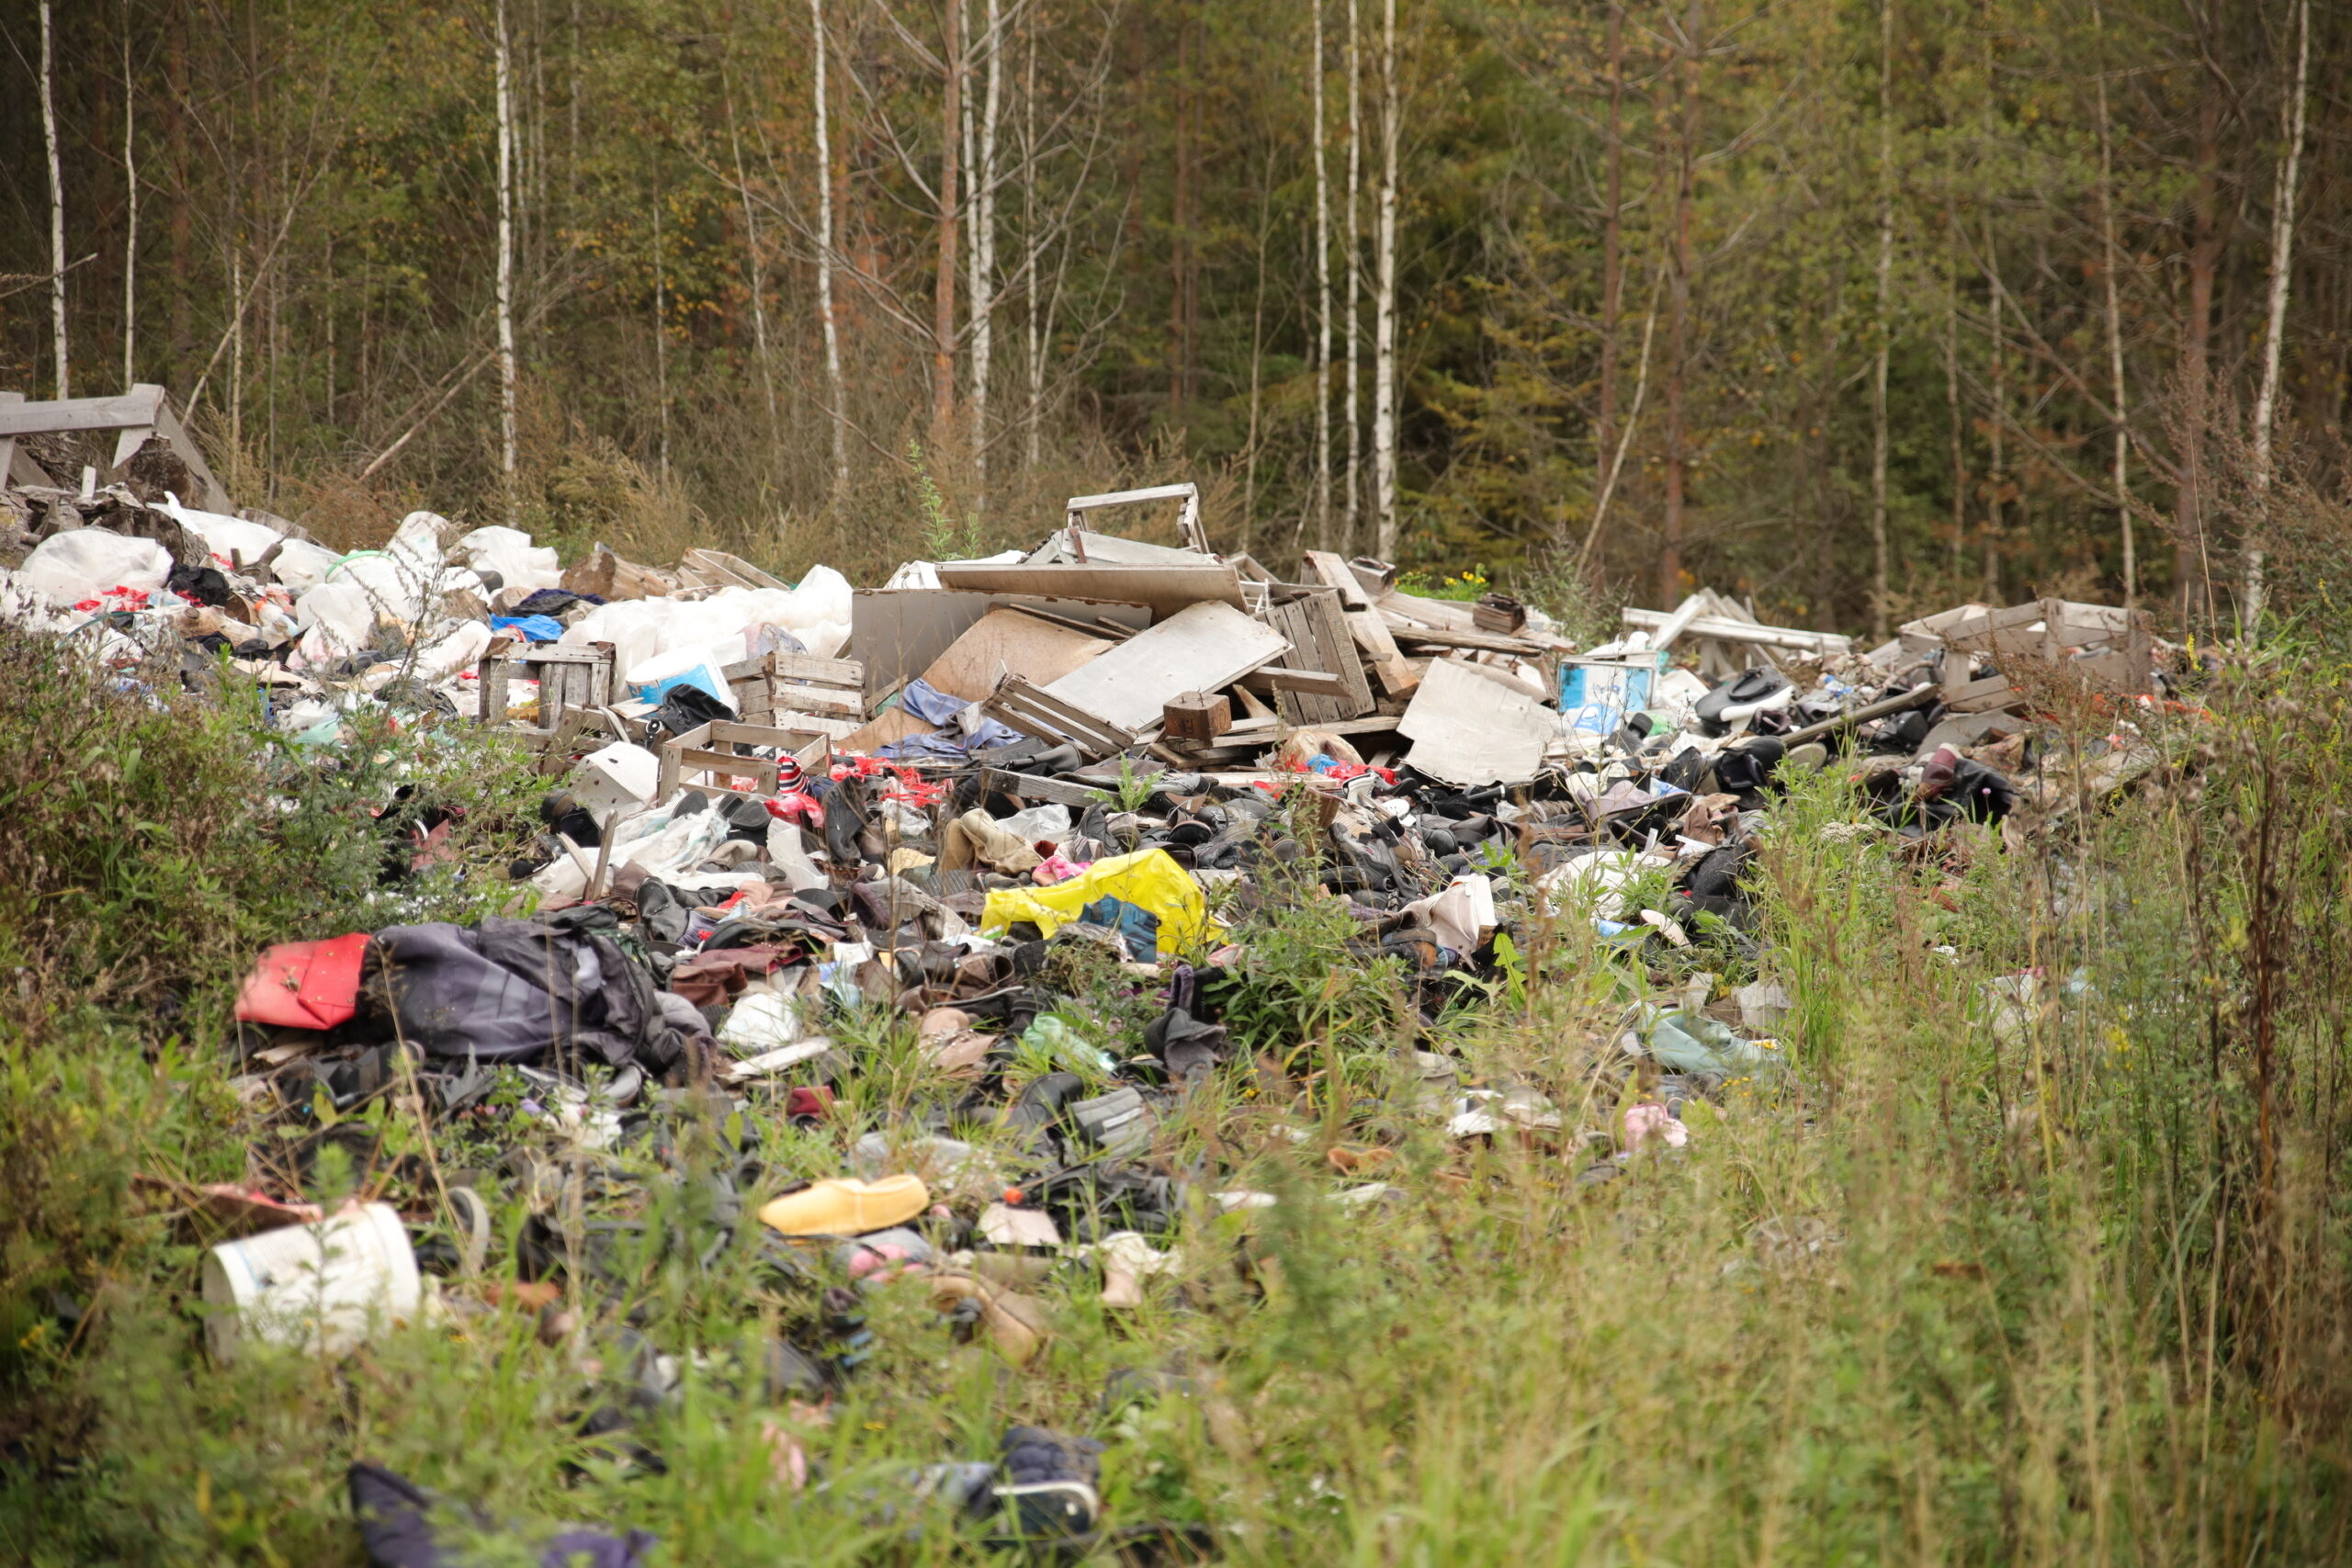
[{"x": 842, "y": 1206}]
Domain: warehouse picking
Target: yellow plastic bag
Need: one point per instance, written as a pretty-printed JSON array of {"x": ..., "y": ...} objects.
[{"x": 1149, "y": 879}]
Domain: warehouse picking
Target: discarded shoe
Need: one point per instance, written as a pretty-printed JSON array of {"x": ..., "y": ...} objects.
[{"x": 842, "y": 1206}]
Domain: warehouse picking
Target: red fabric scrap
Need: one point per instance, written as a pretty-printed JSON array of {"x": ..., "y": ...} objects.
[{"x": 305, "y": 984}]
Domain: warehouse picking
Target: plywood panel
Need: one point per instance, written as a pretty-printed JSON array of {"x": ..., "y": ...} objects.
[{"x": 1200, "y": 649}]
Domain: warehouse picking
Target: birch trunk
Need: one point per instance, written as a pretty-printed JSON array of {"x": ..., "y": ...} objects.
[
  {"x": 756, "y": 277},
  {"x": 660, "y": 340},
  {"x": 982, "y": 283},
  {"x": 1678, "y": 369},
  {"x": 1885, "y": 275},
  {"x": 1033, "y": 301},
  {"x": 1994, "y": 476},
  {"x": 506, "y": 389},
  {"x": 943, "y": 326},
  {"x": 1951, "y": 407},
  {"x": 1611, "y": 260},
  {"x": 1383, "y": 348},
  {"x": 1319, "y": 501},
  {"x": 2282, "y": 257},
  {"x": 1350, "y": 508},
  {"x": 2191, "y": 565},
  {"x": 2121, "y": 470},
  {"x": 837, "y": 411},
  {"x": 131, "y": 227},
  {"x": 56, "y": 201}
]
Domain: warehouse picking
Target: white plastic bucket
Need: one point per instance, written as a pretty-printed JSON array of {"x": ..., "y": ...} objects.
[{"x": 327, "y": 1288}]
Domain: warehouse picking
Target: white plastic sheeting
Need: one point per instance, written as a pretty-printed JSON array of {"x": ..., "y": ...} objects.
[
  {"x": 81, "y": 563},
  {"x": 510, "y": 553},
  {"x": 816, "y": 612}
]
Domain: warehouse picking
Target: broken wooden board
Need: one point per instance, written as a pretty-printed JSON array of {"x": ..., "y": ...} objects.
[
  {"x": 1316, "y": 625},
  {"x": 1024, "y": 707},
  {"x": 1029, "y": 786},
  {"x": 1365, "y": 624},
  {"x": 1165, "y": 589},
  {"x": 1202, "y": 648},
  {"x": 1468, "y": 729},
  {"x": 1722, "y": 628},
  {"x": 717, "y": 569},
  {"x": 1006, "y": 642}
]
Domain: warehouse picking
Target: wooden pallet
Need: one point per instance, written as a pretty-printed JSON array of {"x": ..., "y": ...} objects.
[
  {"x": 1024, "y": 707},
  {"x": 718, "y": 756}
]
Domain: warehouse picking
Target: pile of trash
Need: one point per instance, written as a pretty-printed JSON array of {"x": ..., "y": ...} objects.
[{"x": 1019, "y": 813}]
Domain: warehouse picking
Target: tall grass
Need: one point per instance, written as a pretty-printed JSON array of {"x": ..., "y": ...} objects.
[{"x": 1966, "y": 1284}]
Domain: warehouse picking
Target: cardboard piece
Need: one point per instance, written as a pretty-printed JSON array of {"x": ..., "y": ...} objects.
[
  {"x": 899, "y": 633},
  {"x": 1008, "y": 642},
  {"x": 1468, "y": 729}
]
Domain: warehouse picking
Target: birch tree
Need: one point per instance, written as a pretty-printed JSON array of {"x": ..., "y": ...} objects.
[
  {"x": 1885, "y": 327},
  {"x": 506, "y": 369},
  {"x": 1319, "y": 491},
  {"x": 1351, "y": 509},
  {"x": 2120, "y": 472},
  {"x": 836, "y": 411},
  {"x": 131, "y": 215},
  {"x": 1384, "y": 413},
  {"x": 980, "y": 281},
  {"x": 943, "y": 321},
  {"x": 2282, "y": 260},
  {"x": 56, "y": 201}
]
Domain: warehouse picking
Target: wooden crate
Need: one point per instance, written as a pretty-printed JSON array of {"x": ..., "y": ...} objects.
[
  {"x": 2110, "y": 649},
  {"x": 775, "y": 685},
  {"x": 568, "y": 678},
  {"x": 718, "y": 757}
]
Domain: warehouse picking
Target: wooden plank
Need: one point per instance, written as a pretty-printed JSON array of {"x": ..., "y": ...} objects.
[
  {"x": 1483, "y": 642},
  {"x": 783, "y": 695},
  {"x": 1299, "y": 704},
  {"x": 796, "y": 722},
  {"x": 1306, "y": 683},
  {"x": 1336, "y": 651},
  {"x": 846, "y": 674},
  {"x": 1366, "y": 624},
  {"x": 1331, "y": 570},
  {"x": 1202, "y": 648},
  {"x": 1165, "y": 589},
  {"x": 1722, "y": 629},
  {"x": 1111, "y": 633},
  {"x": 1033, "y": 712},
  {"x": 1029, "y": 786},
  {"x": 1678, "y": 622}
]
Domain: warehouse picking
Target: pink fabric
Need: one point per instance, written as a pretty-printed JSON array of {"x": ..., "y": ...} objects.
[{"x": 1055, "y": 868}]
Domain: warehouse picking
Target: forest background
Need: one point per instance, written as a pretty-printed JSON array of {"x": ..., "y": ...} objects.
[{"x": 1859, "y": 307}]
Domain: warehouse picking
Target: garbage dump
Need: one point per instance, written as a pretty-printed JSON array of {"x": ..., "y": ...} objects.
[{"x": 1019, "y": 813}]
